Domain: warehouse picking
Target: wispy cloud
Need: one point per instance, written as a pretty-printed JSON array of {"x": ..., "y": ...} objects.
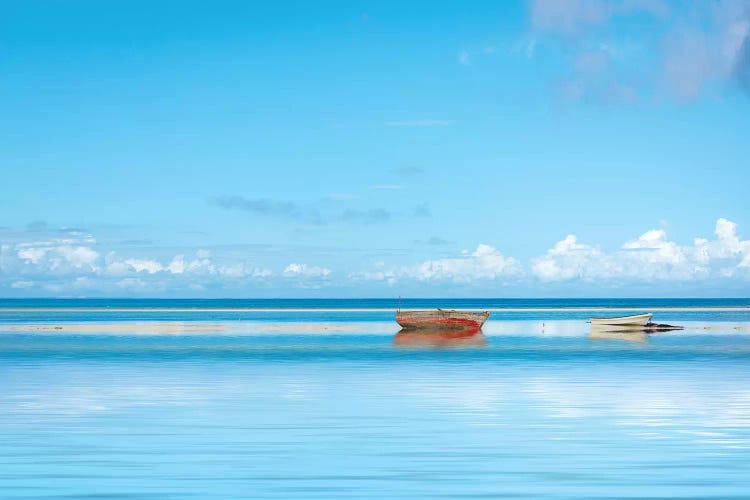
[
  {"x": 699, "y": 53},
  {"x": 387, "y": 187},
  {"x": 434, "y": 241},
  {"x": 470, "y": 56},
  {"x": 700, "y": 47},
  {"x": 419, "y": 123},
  {"x": 22, "y": 284},
  {"x": 422, "y": 210},
  {"x": 570, "y": 16},
  {"x": 315, "y": 214},
  {"x": 742, "y": 66},
  {"x": 271, "y": 208},
  {"x": 593, "y": 80},
  {"x": 260, "y": 206},
  {"x": 370, "y": 216},
  {"x": 437, "y": 240}
]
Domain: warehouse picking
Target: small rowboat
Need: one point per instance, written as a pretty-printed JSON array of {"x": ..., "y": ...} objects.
[
  {"x": 441, "y": 318},
  {"x": 638, "y": 320}
]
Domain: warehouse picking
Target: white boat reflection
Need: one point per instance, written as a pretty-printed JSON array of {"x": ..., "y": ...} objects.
[{"x": 614, "y": 332}]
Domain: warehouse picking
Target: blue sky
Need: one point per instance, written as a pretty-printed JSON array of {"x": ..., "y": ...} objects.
[{"x": 260, "y": 149}]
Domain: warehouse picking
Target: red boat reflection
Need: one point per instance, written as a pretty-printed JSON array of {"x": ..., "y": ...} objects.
[{"x": 440, "y": 339}]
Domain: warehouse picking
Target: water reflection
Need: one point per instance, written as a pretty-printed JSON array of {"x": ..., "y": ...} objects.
[
  {"x": 614, "y": 332},
  {"x": 317, "y": 410},
  {"x": 440, "y": 339}
]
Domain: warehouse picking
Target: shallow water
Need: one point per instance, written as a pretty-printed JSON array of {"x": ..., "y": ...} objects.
[{"x": 322, "y": 403}]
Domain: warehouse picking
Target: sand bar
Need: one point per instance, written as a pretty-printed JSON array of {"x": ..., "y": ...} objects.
[
  {"x": 243, "y": 327},
  {"x": 123, "y": 327},
  {"x": 362, "y": 310},
  {"x": 184, "y": 327}
]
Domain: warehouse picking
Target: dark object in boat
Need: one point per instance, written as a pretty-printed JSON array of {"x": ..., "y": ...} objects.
[{"x": 661, "y": 327}]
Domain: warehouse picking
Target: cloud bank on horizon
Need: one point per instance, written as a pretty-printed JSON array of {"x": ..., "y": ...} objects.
[{"x": 75, "y": 264}]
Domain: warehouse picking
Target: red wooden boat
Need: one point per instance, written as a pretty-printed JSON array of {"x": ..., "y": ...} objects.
[{"x": 442, "y": 319}]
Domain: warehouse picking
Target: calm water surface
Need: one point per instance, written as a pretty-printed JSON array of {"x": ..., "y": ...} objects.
[{"x": 290, "y": 400}]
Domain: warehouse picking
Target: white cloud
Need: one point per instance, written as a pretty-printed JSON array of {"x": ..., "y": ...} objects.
[
  {"x": 32, "y": 255},
  {"x": 307, "y": 271},
  {"x": 464, "y": 58},
  {"x": 143, "y": 265},
  {"x": 61, "y": 265},
  {"x": 485, "y": 263},
  {"x": 57, "y": 267},
  {"x": 79, "y": 257},
  {"x": 568, "y": 259},
  {"x": 115, "y": 267},
  {"x": 179, "y": 265},
  {"x": 651, "y": 257},
  {"x": 660, "y": 250},
  {"x": 58, "y": 258},
  {"x": 243, "y": 270}
]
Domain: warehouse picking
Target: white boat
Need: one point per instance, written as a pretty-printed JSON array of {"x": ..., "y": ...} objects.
[{"x": 624, "y": 321}]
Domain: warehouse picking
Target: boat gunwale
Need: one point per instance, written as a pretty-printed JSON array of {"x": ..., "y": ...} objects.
[{"x": 646, "y": 315}]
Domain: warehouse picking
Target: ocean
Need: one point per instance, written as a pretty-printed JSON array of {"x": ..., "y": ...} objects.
[{"x": 325, "y": 399}]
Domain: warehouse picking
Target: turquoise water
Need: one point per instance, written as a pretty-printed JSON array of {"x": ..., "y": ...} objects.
[{"x": 285, "y": 399}]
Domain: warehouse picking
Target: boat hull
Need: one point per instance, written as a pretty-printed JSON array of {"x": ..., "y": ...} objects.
[
  {"x": 623, "y": 321},
  {"x": 443, "y": 319}
]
